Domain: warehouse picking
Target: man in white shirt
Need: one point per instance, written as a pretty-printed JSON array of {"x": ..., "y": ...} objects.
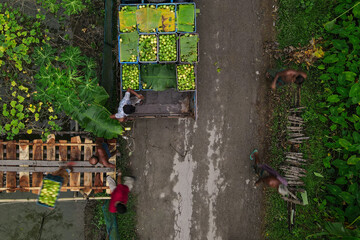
[{"x": 127, "y": 105}]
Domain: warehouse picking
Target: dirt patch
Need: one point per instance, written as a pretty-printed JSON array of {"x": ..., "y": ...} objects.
[{"x": 92, "y": 230}]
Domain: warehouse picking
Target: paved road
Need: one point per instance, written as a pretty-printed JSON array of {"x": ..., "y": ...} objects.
[{"x": 194, "y": 177}]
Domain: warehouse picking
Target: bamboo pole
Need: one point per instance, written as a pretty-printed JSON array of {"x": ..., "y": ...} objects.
[{"x": 60, "y": 199}]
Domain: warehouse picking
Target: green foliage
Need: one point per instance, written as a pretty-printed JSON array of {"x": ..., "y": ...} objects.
[
  {"x": 129, "y": 47},
  {"x": 18, "y": 35},
  {"x": 300, "y": 20},
  {"x": 75, "y": 91},
  {"x": 70, "y": 7},
  {"x": 186, "y": 18},
  {"x": 158, "y": 77},
  {"x": 189, "y": 48}
]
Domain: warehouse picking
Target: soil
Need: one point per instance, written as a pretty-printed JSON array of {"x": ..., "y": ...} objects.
[{"x": 91, "y": 230}]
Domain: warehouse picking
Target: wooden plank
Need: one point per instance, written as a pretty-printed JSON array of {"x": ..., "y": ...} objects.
[
  {"x": 53, "y": 169},
  {"x": 63, "y": 158},
  {"x": 24, "y": 180},
  {"x": 99, "y": 177},
  {"x": 112, "y": 147},
  {"x": 37, "y": 155},
  {"x": 75, "y": 155},
  {"x": 60, "y": 143},
  {"x": 40, "y": 163},
  {"x": 11, "y": 175},
  {"x": 88, "y": 152},
  {"x": 50, "y": 148},
  {"x": 66, "y": 188},
  {"x": 1, "y": 158}
]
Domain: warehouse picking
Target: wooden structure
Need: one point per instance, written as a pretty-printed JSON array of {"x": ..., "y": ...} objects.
[{"x": 23, "y": 164}]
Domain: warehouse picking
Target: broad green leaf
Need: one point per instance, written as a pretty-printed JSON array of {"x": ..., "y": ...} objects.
[
  {"x": 129, "y": 47},
  {"x": 148, "y": 19},
  {"x": 186, "y": 18},
  {"x": 344, "y": 143},
  {"x": 341, "y": 181},
  {"x": 73, "y": 6},
  {"x": 355, "y": 93},
  {"x": 44, "y": 55},
  {"x": 349, "y": 76},
  {"x": 333, "y": 98},
  {"x": 167, "y": 19},
  {"x": 339, "y": 163},
  {"x": 356, "y": 11},
  {"x": 354, "y": 188},
  {"x": 353, "y": 160},
  {"x": 318, "y": 174},
  {"x": 331, "y": 59},
  {"x": 127, "y": 18},
  {"x": 347, "y": 197},
  {"x": 330, "y": 25},
  {"x": 339, "y": 44},
  {"x": 158, "y": 77},
  {"x": 334, "y": 189},
  {"x": 97, "y": 120},
  {"x": 189, "y": 48},
  {"x": 72, "y": 57},
  {"x": 356, "y": 137}
]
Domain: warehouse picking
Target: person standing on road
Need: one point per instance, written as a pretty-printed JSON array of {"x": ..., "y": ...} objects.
[
  {"x": 286, "y": 77},
  {"x": 119, "y": 193},
  {"x": 272, "y": 179},
  {"x": 127, "y": 105}
]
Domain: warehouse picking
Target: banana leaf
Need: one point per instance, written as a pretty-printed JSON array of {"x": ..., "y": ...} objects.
[
  {"x": 148, "y": 19},
  {"x": 127, "y": 19},
  {"x": 167, "y": 19},
  {"x": 189, "y": 48},
  {"x": 97, "y": 120},
  {"x": 186, "y": 17},
  {"x": 158, "y": 77},
  {"x": 128, "y": 46}
]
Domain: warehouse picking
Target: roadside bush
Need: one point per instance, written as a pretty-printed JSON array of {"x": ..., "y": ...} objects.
[{"x": 340, "y": 109}]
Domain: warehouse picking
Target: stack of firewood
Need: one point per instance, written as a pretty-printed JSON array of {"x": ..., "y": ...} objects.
[{"x": 294, "y": 160}]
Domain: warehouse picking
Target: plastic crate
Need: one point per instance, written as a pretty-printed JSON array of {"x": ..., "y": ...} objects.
[
  {"x": 157, "y": 48},
  {"x": 121, "y": 78},
  {"x": 52, "y": 178},
  {"x": 137, "y": 25},
  {"x": 177, "y": 47},
  {"x": 198, "y": 52},
  {"x": 177, "y": 25},
  {"x": 177, "y": 82},
  {"x": 137, "y": 56},
  {"x": 118, "y": 17},
  {"x": 175, "y": 21}
]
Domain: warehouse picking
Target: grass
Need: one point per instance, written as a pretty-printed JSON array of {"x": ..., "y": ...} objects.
[
  {"x": 309, "y": 218},
  {"x": 300, "y": 20}
]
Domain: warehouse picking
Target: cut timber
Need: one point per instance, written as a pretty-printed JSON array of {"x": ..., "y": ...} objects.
[
  {"x": 75, "y": 155},
  {"x": 11, "y": 176},
  {"x": 54, "y": 169},
  {"x": 87, "y": 176},
  {"x": 37, "y": 155},
  {"x": 50, "y": 148},
  {"x": 112, "y": 147},
  {"x": 40, "y": 163},
  {"x": 24, "y": 180},
  {"x": 63, "y": 157},
  {"x": 1, "y": 158},
  {"x": 99, "y": 177}
]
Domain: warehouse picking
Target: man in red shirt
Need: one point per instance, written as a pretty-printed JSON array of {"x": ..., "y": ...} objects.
[{"x": 119, "y": 193}]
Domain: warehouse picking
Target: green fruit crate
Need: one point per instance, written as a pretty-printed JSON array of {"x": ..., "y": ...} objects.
[
  {"x": 135, "y": 85},
  {"x": 176, "y": 48},
  {"x": 193, "y": 82},
  {"x": 50, "y": 191},
  {"x": 141, "y": 49},
  {"x": 182, "y": 37}
]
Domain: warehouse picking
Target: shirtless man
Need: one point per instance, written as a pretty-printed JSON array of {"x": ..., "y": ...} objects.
[
  {"x": 288, "y": 76},
  {"x": 102, "y": 154}
]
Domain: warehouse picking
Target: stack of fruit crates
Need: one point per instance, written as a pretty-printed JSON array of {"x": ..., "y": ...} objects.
[{"x": 158, "y": 34}]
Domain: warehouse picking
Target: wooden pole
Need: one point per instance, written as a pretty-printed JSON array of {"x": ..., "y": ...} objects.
[
  {"x": 62, "y": 188},
  {"x": 60, "y": 199}
]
